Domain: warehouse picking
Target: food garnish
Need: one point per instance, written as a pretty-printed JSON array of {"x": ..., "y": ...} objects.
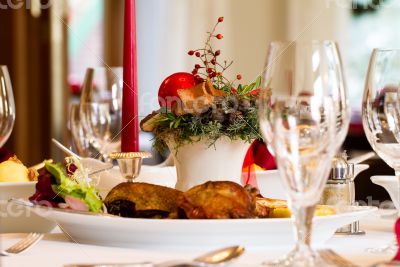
[
  {"x": 205, "y": 104},
  {"x": 66, "y": 186}
]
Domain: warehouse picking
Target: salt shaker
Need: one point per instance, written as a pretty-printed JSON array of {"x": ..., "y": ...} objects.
[{"x": 340, "y": 190}]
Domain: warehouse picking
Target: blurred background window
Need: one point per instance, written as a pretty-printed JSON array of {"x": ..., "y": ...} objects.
[
  {"x": 85, "y": 38},
  {"x": 373, "y": 24}
]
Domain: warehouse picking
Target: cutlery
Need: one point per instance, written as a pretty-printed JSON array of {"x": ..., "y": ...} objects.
[
  {"x": 100, "y": 166},
  {"x": 387, "y": 264},
  {"x": 216, "y": 257},
  {"x": 331, "y": 256},
  {"x": 22, "y": 245},
  {"x": 65, "y": 149}
]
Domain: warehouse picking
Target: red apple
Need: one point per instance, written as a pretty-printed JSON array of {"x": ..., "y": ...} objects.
[{"x": 167, "y": 94}]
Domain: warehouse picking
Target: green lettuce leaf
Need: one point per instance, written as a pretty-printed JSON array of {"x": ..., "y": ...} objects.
[{"x": 68, "y": 187}]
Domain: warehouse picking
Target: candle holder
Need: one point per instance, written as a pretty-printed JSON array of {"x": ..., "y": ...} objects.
[{"x": 130, "y": 163}]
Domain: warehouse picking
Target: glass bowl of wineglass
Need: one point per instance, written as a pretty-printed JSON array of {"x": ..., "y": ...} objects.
[
  {"x": 80, "y": 139},
  {"x": 7, "y": 106},
  {"x": 380, "y": 112},
  {"x": 101, "y": 108}
]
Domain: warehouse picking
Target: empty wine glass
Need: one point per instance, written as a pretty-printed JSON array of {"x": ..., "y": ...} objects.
[
  {"x": 7, "y": 106},
  {"x": 304, "y": 130},
  {"x": 304, "y": 117},
  {"x": 309, "y": 68},
  {"x": 101, "y": 108},
  {"x": 80, "y": 138},
  {"x": 380, "y": 113}
]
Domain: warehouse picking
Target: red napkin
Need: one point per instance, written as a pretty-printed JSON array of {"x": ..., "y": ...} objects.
[
  {"x": 258, "y": 154},
  {"x": 397, "y": 231}
]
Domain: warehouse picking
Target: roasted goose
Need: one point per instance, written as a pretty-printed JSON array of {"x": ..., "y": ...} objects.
[
  {"x": 218, "y": 200},
  {"x": 211, "y": 200},
  {"x": 142, "y": 200}
]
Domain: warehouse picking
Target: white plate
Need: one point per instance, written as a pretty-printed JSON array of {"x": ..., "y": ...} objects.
[
  {"x": 391, "y": 184},
  {"x": 128, "y": 232},
  {"x": 18, "y": 219}
]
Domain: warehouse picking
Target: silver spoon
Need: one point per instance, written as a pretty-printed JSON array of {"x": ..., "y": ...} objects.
[
  {"x": 96, "y": 165},
  {"x": 216, "y": 257},
  {"x": 221, "y": 255},
  {"x": 65, "y": 149}
]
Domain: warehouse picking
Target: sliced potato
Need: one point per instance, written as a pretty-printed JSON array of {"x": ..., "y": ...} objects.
[{"x": 276, "y": 208}]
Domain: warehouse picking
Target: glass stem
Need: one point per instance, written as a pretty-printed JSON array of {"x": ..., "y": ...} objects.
[{"x": 303, "y": 222}]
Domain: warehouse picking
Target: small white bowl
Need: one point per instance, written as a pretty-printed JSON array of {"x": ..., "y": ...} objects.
[
  {"x": 271, "y": 186},
  {"x": 391, "y": 184},
  {"x": 16, "y": 218}
]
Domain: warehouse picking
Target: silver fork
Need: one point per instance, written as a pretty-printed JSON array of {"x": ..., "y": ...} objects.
[
  {"x": 22, "y": 245},
  {"x": 332, "y": 257}
]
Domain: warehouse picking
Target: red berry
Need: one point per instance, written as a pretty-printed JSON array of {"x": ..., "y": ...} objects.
[
  {"x": 194, "y": 72},
  {"x": 218, "y": 52},
  {"x": 191, "y": 53},
  {"x": 213, "y": 61},
  {"x": 198, "y": 78},
  {"x": 197, "y": 66},
  {"x": 220, "y": 19},
  {"x": 213, "y": 74},
  {"x": 197, "y": 54},
  {"x": 219, "y": 36},
  {"x": 219, "y": 74},
  {"x": 239, "y": 77},
  {"x": 209, "y": 70}
]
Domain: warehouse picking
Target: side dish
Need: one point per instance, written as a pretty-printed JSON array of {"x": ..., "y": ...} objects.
[
  {"x": 13, "y": 170},
  {"x": 66, "y": 185}
]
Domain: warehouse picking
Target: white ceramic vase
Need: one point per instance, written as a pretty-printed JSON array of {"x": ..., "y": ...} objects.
[{"x": 198, "y": 162}]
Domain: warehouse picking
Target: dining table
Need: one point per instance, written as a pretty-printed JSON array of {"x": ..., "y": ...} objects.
[{"x": 57, "y": 249}]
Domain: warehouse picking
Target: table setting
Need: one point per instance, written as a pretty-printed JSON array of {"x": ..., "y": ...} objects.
[{"x": 254, "y": 174}]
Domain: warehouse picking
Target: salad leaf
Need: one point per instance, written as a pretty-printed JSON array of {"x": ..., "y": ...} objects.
[{"x": 65, "y": 186}]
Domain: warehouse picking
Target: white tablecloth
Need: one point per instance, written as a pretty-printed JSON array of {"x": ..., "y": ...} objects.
[{"x": 56, "y": 250}]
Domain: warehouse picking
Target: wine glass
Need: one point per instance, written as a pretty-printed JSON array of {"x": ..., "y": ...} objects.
[
  {"x": 79, "y": 135},
  {"x": 304, "y": 143},
  {"x": 309, "y": 68},
  {"x": 7, "y": 106},
  {"x": 380, "y": 112},
  {"x": 304, "y": 118},
  {"x": 101, "y": 108}
]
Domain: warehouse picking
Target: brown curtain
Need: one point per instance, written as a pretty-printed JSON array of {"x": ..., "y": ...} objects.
[{"x": 26, "y": 48}]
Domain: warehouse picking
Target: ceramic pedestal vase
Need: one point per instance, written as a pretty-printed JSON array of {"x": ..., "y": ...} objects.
[{"x": 198, "y": 162}]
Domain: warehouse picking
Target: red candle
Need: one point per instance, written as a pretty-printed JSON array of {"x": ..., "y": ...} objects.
[{"x": 130, "y": 119}]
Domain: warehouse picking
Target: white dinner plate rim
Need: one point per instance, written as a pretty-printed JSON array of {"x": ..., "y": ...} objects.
[
  {"x": 357, "y": 209},
  {"x": 17, "y": 183}
]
